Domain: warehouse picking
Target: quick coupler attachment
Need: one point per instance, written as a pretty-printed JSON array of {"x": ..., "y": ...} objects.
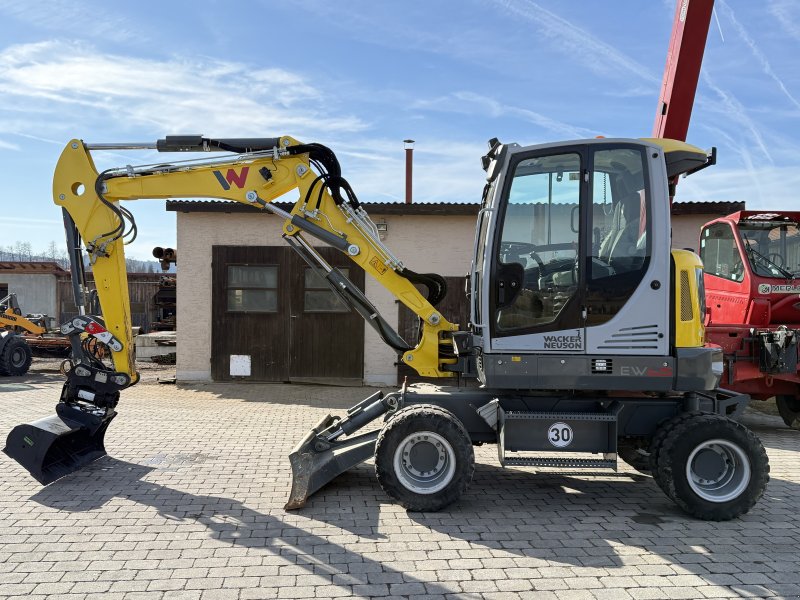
[
  {"x": 61, "y": 443},
  {"x": 320, "y": 457}
]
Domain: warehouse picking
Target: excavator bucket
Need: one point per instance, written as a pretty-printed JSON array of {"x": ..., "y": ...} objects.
[
  {"x": 315, "y": 463},
  {"x": 59, "y": 444}
]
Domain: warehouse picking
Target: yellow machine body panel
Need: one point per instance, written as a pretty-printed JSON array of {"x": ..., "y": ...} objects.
[{"x": 689, "y": 300}]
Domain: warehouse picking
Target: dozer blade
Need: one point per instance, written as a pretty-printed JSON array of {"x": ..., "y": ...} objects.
[
  {"x": 59, "y": 444},
  {"x": 313, "y": 468}
]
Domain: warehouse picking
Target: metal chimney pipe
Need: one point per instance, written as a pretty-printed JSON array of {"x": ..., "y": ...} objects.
[{"x": 409, "y": 145}]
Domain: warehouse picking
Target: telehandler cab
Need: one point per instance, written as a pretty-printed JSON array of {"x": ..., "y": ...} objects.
[
  {"x": 751, "y": 261},
  {"x": 585, "y": 331}
]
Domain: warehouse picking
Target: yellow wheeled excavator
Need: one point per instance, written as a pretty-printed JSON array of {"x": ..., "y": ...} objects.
[{"x": 585, "y": 329}]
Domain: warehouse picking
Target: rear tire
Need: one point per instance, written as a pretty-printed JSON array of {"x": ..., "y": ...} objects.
[
  {"x": 16, "y": 357},
  {"x": 712, "y": 467},
  {"x": 658, "y": 441},
  {"x": 789, "y": 410},
  {"x": 424, "y": 458}
]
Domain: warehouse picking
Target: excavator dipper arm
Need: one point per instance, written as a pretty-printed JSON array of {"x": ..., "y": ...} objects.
[{"x": 254, "y": 171}]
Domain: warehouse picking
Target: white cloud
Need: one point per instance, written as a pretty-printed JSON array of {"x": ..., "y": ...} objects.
[
  {"x": 8, "y": 146},
  {"x": 476, "y": 104},
  {"x": 787, "y": 12},
  {"x": 734, "y": 111},
  {"x": 759, "y": 55},
  {"x": 579, "y": 44},
  {"x": 68, "y": 15},
  {"x": 444, "y": 170},
  {"x": 761, "y": 188},
  {"x": 71, "y": 82}
]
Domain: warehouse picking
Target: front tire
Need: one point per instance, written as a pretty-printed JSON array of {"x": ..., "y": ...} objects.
[
  {"x": 713, "y": 467},
  {"x": 424, "y": 458},
  {"x": 16, "y": 357},
  {"x": 789, "y": 410}
]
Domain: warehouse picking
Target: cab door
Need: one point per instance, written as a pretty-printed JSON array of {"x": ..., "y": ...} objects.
[
  {"x": 727, "y": 278},
  {"x": 537, "y": 277},
  {"x": 628, "y": 283}
]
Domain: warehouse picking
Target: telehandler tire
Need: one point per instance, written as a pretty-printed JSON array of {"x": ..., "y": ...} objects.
[
  {"x": 712, "y": 467},
  {"x": 16, "y": 357},
  {"x": 424, "y": 458},
  {"x": 789, "y": 410}
]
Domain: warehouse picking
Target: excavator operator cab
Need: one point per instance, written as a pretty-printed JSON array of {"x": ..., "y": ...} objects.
[
  {"x": 566, "y": 236},
  {"x": 572, "y": 257}
]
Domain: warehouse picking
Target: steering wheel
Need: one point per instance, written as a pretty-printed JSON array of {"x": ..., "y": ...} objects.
[
  {"x": 522, "y": 249},
  {"x": 775, "y": 258}
]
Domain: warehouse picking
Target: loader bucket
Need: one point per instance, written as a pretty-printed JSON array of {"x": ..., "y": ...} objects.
[
  {"x": 59, "y": 444},
  {"x": 313, "y": 468}
]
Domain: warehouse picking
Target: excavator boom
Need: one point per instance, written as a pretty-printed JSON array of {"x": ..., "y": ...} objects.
[{"x": 253, "y": 171}]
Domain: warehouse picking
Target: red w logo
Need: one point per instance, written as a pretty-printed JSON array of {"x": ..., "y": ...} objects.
[{"x": 232, "y": 178}]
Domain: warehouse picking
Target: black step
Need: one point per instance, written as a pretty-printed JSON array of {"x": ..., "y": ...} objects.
[
  {"x": 517, "y": 415},
  {"x": 563, "y": 463}
]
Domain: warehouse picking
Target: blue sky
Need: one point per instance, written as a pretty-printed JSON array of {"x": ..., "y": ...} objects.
[{"x": 361, "y": 76}]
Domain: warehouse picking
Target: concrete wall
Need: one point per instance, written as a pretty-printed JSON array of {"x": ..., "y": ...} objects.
[
  {"x": 36, "y": 293},
  {"x": 439, "y": 244}
]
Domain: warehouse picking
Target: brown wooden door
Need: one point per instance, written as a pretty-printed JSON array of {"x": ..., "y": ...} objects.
[
  {"x": 270, "y": 312},
  {"x": 250, "y": 308},
  {"x": 454, "y": 307},
  {"x": 326, "y": 337}
]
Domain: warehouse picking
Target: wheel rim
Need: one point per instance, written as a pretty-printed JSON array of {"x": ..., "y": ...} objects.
[
  {"x": 18, "y": 357},
  {"x": 718, "y": 470},
  {"x": 424, "y": 462}
]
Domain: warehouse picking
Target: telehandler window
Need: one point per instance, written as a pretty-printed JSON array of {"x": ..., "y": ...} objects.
[
  {"x": 719, "y": 253},
  {"x": 772, "y": 248}
]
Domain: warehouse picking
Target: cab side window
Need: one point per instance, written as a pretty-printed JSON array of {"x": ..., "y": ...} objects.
[
  {"x": 619, "y": 234},
  {"x": 719, "y": 253}
]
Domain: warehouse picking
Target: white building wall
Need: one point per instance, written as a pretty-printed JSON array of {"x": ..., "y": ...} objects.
[
  {"x": 439, "y": 244},
  {"x": 36, "y": 293},
  {"x": 686, "y": 230}
]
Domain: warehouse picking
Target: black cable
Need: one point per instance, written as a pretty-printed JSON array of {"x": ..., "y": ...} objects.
[
  {"x": 123, "y": 214},
  {"x": 436, "y": 284}
]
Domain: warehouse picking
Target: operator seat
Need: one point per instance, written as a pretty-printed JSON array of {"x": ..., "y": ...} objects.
[
  {"x": 623, "y": 237},
  {"x": 628, "y": 249}
]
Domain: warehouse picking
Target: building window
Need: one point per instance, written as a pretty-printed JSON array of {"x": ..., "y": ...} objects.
[
  {"x": 252, "y": 288},
  {"x": 318, "y": 297}
]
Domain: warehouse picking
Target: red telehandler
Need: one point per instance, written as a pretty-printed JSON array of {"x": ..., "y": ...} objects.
[{"x": 752, "y": 261}]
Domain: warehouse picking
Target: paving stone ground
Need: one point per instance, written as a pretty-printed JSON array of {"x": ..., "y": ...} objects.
[{"x": 188, "y": 504}]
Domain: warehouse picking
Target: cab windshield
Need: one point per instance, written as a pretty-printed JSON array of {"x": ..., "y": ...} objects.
[{"x": 772, "y": 249}]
